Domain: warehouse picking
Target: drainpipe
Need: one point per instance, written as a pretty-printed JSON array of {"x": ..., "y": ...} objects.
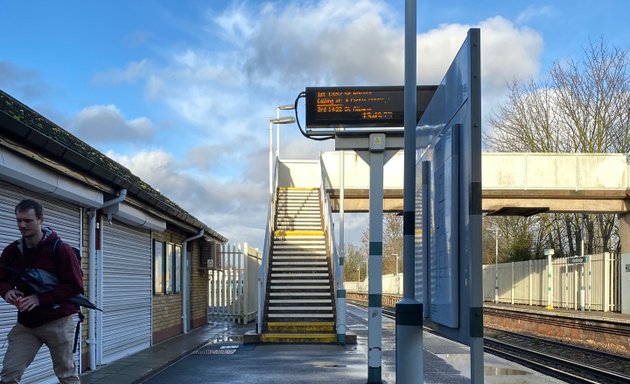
[
  {"x": 92, "y": 276},
  {"x": 186, "y": 282}
]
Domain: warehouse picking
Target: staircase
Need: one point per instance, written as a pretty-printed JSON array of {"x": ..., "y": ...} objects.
[{"x": 299, "y": 306}]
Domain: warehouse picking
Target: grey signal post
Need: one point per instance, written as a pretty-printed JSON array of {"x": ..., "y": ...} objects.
[
  {"x": 409, "y": 343},
  {"x": 375, "y": 149}
]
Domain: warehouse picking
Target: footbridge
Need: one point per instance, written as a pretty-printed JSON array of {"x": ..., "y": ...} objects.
[
  {"x": 300, "y": 267},
  {"x": 512, "y": 183}
]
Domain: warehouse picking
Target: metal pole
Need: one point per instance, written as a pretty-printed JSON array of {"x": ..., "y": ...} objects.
[
  {"x": 375, "y": 270},
  {"x": 549, "y": 253},
  {"x": 409, "y": 361},
  {"x": 397, "y": 278},
  {"x": 270, "y": 160},
  {"x": 496, "y": 265},
  {"x": 582, "y": 288},
  {"x": 341, "y": 292}
]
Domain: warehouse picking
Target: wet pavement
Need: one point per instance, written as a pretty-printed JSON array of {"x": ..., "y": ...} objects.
[{"x": 223, "y": 359}]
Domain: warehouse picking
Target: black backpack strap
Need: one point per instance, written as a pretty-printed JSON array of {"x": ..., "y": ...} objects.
[{"x": 76, "y": 331}]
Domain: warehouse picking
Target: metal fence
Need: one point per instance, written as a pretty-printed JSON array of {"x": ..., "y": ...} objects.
[
  {"x": 589, "y": 282},
  {"x": 233, "y": 287}
]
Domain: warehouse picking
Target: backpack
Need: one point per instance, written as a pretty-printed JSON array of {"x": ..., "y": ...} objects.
[{"x": 77, "y": 254}]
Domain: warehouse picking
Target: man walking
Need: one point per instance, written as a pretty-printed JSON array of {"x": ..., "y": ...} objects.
[{"x": 45, "y": 317}]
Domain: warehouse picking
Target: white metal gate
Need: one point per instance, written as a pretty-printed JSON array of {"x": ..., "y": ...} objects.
[
  {"x": 126, "y": 291},
  {"x": 65, "y": 219},
  {"x": 233, "y": 284}
]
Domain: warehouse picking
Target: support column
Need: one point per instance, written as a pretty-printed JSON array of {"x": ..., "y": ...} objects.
[
  {"x": 341, "y": 291},
  {"x": 375, "y": 277},
  {"x": 409, "y": 362}
]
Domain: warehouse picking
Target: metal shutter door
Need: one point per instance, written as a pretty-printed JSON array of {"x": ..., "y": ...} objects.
[
  {"x": 65, "y": 219},
  {"x": 126, "y": 291}
]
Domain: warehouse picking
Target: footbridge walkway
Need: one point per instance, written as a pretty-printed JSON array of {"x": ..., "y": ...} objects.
[
  {"x": 299, "y": 270},
  {"x": 512, "y": 183}
]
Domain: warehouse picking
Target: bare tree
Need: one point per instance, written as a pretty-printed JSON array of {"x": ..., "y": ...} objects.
[
  {"x": 583, "y": 107},
  {"x": 392, "y": 242}
]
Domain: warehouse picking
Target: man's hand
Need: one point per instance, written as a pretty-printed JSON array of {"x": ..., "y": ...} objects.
[
  {"x": 12, "y": 296},
  {"x": 28, "y": 303}
]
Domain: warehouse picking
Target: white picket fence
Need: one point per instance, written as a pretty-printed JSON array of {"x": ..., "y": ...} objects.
[
  {"x": 591, "y": 285},
  {"x": 233, "y": 284}
]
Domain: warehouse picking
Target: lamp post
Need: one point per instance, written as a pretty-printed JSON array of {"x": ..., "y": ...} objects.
[
  {"x": 286, "y": 107},
  {"x": 397, "y": 278},
  {"x": 549, "y": 253},
  {"x": 496, "y": 264},
  {"x": 272, "y": 121}
]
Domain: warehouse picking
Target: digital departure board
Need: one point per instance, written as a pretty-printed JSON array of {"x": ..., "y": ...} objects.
[{"x": 359, "y": 107}]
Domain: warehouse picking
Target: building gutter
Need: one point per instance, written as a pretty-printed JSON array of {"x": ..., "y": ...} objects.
[
  {"x": 186, "y": 281},
  {"x": 96, "y": 266}
]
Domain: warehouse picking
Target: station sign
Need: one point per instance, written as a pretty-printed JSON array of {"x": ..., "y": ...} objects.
[
  {"x": 576, "y": 260},
  {"x": 360, "y": 107}
]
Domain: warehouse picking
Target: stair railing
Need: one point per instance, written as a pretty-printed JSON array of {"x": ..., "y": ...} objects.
[
  {"x": 267, "y": 249},
  {"x": 328, "y": 229}
]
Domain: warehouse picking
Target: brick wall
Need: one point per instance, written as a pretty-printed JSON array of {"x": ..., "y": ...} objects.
[
  {"x": 199, "y": 289},
  {"x": 167, "y": 308}
]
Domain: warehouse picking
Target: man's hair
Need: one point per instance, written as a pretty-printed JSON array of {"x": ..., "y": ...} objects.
[{"x": 27, "y": 204}]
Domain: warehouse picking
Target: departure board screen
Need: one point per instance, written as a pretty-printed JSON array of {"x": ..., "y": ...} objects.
[{"x": 358, "y": 107}]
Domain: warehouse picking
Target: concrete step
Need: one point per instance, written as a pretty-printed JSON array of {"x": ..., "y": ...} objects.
[
  {"x": 277, "y": 281},
  {"x": 300, "y": 294},
  {"x": 301, "y": 326},
  {"x": 298, "y": 338},
  {"x": 299, "y": 274},
  {"x": 299, "y": 301},
  {"x": 300, "y": 269},
  {"x": 302, "y": 288},
  {"x": 300, "y": 316}
]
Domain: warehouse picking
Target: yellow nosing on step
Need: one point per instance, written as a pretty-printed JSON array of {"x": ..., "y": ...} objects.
[
  {"x": 285, "y": 233},
  {"x": 298, "y": 338},
  {"x": 301, "y": 326},
  {"x": 297, "y": 189},
  {"x": 293, "y": 323}
]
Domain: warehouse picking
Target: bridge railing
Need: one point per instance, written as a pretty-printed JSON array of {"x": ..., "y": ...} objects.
[
  {"x": 267, "y": 247},
  {"x": 329, "y": 231}
]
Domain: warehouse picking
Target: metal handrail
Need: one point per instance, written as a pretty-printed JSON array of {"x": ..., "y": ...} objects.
[
  {"x": 267, "y": 248},
  {"x": 328, "y": 228}
]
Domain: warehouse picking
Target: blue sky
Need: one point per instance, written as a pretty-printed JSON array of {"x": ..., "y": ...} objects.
[{"x": 180, "y": 91}]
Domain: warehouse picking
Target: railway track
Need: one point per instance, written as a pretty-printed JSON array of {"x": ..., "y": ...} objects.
[
  {"x": 566, "y": 362},
  {"x": 569, "y": 363}
]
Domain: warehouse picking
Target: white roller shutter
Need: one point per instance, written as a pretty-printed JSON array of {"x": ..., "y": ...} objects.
[
  {"x": 127, "y": 291},
  {"x": 65, "y": 219}
]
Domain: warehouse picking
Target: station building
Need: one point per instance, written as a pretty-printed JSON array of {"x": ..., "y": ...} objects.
[{"x": 143, "y": 256}]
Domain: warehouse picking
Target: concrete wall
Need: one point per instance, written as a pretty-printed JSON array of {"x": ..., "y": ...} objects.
[
  {"x": 299, "y": 173},
  {"x": 357, "y": 171},
  {"x": 554, "y": 171}
]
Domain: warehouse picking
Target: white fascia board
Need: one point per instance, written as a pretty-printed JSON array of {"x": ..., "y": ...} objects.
[
  {"x": 19, "y": 171},
  {"x": 135, "y": 217}
]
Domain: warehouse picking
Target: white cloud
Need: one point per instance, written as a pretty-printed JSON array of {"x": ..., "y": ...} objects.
[
  {"x": 105, "y": 123},
  {"x": 134, "y": 71},
  {"x": 223, "y": 90},
  {"x": 27, "y": 83},
  {"x": 235, "y": 209},
  {"x": 535, "y": 11}
]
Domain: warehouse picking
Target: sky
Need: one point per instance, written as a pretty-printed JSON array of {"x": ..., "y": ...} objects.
[{"x": 180, "y": 92}]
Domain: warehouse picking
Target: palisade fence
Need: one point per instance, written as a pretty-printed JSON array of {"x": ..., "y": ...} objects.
[
  {"x": 233, "y": 284},
  {"x": 589, "y": 283}
]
